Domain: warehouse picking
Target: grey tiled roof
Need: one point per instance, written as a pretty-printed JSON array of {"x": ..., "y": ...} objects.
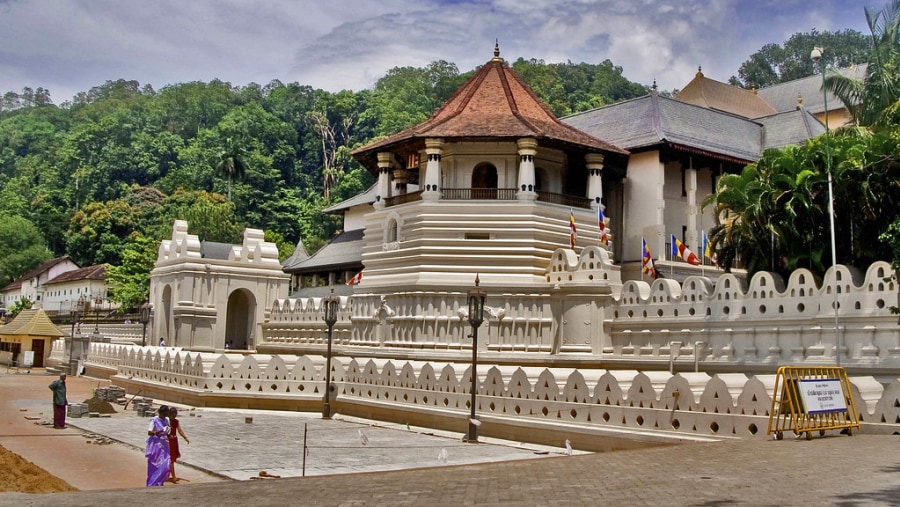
[
  {"x": 652, "y": 120},
  {"x": 791, "y": 127},
  {"x": 367, "y": 197},
  {"x": 344, "y": 251},
  {"x": 783, "y": 96},
  {"x": 213, "y": 250}
]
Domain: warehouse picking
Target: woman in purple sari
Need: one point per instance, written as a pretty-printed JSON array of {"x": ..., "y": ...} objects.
[{"x": 157, "y": 452}]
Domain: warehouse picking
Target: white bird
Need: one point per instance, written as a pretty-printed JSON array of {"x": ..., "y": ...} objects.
[
  {"x": 568, "y": 447},
  {"x": 363, "y": 439},
  {"x": 443, "y": 455}
]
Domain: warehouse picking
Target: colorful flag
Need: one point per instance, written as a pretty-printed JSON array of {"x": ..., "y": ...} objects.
[
  {"x": 356, "y": 279},
  {"x": 647, "y": 266},
  {"x": 573, "y": 234},
  {"x": 683, "y": 252},
  {"x": 601, "y": 222},
  {"x": 707, "y": 249}
]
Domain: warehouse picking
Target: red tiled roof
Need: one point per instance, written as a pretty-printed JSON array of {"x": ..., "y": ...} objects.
[
  {"x": 493, "y": 104},
  {"x": 97, "y": 272}
]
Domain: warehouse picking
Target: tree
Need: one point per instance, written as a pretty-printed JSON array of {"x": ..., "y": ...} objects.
[
  {"x": 130, "y": 279},
  {"x": 231, "y": 163},
  {"x": 23, "y": 248},
  {"x": 874, "y": 100},
  {"x": 782, "y": 201},
  {"x": 774, "y": 63},
  {"x": 17, "y": 307}
]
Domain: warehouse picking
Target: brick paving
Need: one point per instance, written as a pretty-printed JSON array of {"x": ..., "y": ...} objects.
[{"x": 832, "y": 470}]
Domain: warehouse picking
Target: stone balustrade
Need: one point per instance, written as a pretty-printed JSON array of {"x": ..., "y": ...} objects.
[
  {"x": 760, "y": 322},
  {"x": 682, "y": 405}
]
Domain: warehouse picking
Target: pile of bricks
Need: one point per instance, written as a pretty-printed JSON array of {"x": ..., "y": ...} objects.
[
  {"x": 76, "y": 410},
  {"x": 144, "y": 407},
  {"x": 112, "y": 394}
]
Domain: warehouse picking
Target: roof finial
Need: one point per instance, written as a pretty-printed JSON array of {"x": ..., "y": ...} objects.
[
  {"x": 799, "y": 101},
  {"x": 700, "y": 70},
  {"x": 497, "y": 50},
  {"x": 654, "y": 85}
]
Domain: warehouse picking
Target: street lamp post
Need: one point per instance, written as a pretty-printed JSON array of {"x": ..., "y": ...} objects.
[
  {"x": 476, "y": 317},
  {"x": 144, "y": 318},
  {"x": 331, "y": 303},
  {"x": 97, "y": 302},
  {"x": 816, "y": 55}
]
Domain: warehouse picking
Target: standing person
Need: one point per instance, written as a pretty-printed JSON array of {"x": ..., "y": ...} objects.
[
  {"x": 59, "y": 401},
  {"x": 162, "y": 341},
  {"x": 174, "y": 452},
  {"x": 157, "y": 451}
]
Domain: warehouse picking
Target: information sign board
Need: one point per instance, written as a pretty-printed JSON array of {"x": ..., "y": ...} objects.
[{"x": 821, "y": 396}]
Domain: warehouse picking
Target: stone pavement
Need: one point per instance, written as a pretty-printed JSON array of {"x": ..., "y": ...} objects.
[{"x": 400, "y": 466}]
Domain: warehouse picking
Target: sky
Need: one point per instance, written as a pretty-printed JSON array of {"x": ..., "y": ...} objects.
[{"x": 68, "y": 46}]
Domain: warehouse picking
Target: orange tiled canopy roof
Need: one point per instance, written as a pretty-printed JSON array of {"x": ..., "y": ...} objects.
[{"x": 493, "y": 104}]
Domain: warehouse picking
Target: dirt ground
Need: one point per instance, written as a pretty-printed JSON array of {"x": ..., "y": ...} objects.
[{"x": 22, "y": 476}]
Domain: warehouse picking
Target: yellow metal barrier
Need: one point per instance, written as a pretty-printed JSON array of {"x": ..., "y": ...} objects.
[{"x": 808, "y": 399}]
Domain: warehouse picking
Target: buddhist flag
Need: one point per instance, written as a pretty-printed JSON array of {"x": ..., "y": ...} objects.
[
  {"x": 707, "y": 249},
  {"x": 356, "y": 279},
  {"x": 647, "y": 266},
  {"x": 683, "y": 252},
  {"x": 601, "y": 222},
  {"x": 573, "y": 234}
]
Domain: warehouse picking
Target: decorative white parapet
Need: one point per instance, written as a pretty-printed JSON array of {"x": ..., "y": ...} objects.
[{"x": 722, "y": 405}]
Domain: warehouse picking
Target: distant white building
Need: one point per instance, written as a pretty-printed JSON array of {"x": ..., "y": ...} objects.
[{"x": 32, "y": 284}]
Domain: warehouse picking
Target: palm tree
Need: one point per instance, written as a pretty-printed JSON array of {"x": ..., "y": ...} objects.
[
  {"x": 869, "y": 100},
  {"x": 231, "y": 163}
]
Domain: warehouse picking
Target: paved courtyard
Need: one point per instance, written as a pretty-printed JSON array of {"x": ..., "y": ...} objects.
[{"x": 401, "y": 466}]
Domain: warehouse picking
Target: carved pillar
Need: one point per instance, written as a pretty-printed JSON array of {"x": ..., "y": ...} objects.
[
  {"x": 384, "y": 179},
  {"x": 526, "y": 189},
  {"x": 594, "y": 164},
  {"x": 431, "y": 191}
]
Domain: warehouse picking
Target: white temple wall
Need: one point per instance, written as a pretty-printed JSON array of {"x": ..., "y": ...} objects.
[
  {"x": 518, "y": 402},
  {"x": 586, "y": 311}
]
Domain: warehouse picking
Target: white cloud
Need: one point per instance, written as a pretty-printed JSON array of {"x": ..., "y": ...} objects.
[{"x": 69, "y": 46}]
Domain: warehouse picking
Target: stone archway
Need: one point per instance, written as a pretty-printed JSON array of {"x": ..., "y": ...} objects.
[
  {"x": 484, "y": 181},
  {"x": 240, "y": 320}
]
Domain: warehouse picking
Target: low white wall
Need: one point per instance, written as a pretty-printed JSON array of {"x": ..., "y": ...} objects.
[{"x": 723, "y": 406}]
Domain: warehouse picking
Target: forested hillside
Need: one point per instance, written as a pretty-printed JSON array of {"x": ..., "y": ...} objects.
[{"x": 102, "y": 177}]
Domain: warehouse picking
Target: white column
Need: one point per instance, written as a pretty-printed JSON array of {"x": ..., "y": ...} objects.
[
  {"x": 526, "y": 191},
  {"x": 384, "y": 179},
  {"x": 693, "y": 211},
  {"x": 594, "y": 163},
  {"x": 431, "y": 191}
]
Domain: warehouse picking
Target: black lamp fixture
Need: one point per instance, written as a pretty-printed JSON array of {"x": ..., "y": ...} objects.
[
  {"x": 144, "y": 318},
  {"x": 330, "y": 306},
  {"x": 476, "y": 317},
  {"x": 816, "y": 56}
]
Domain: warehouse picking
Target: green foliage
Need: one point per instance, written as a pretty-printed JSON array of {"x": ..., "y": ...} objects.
[
  {"x": 285, "y": 249},
  {"x": 774, "y": 63},
  {"x": 875, "y": 101},
  {"x": 23, "y": 248},
  {"x": 18, "y": 306},
  {"x": 130, "y": 279},
  {"x": 783, "y": 199}
]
